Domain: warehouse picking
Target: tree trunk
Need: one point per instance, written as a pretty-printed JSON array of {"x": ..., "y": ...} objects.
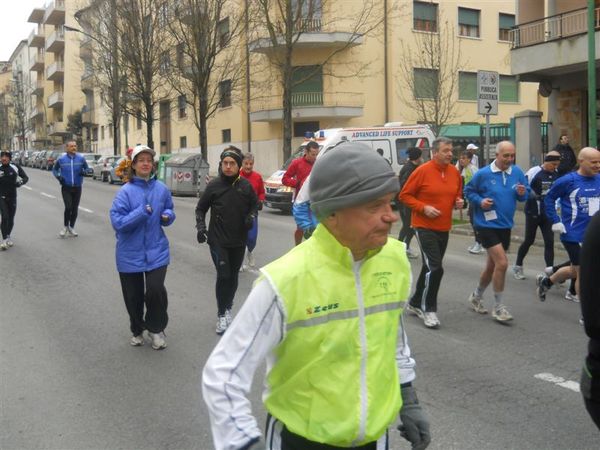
[
  {"x": 149, "y": 126},
  {"x": 287, "y": 107},
  {"x": 203, "y": 112}
]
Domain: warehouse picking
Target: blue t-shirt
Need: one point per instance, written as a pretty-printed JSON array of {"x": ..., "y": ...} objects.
[
  {"x": 579, "y": 200},
  {"x": 500, "y": 186}
]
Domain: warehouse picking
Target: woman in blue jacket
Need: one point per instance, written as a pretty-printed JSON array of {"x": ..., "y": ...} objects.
[{"x": 139, "y": 211}]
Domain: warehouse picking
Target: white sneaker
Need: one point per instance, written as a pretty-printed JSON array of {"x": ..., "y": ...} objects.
[
  {"x": 518, "y": 272},
  {"x": 571, "y": 297},
  {"x": 221, "y": 325},
  {"x": 476, "y": 248},
  {"x": 477, "y": 304},
  {"x": 430, "y": 320},
  {"x": 501, "y": 314},
  {"x": 411, "y": 254},
  {"x": 251, "y": 260},
  {"x": 228, "y": 317},
  {"x": 138, "y": 340},
  {"x": 72, "y": 232},
  {"x": 414, "y": 310},
  {"x": 158, "y": 340},
  {"x": 64, "y": 232},
  {"x": 548, "y": 271},
  {"x": 9, "y": 241},
  {"x": 3, "y": 244},
  {"x": 244, "y": 268}
]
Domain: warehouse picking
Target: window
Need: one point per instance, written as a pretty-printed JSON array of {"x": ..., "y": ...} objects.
[
  {"x": 225, "y": 93},
  {"x": 181, "y": 106},
  {"x": 425, "y": 16},
  {"x": 402, "y": 146},
  {"x": 163, "y": 15},
  {"x": 307, "y": 86},
  {"x": 226, "y": 135},
  {"x": 301, "y": 128},
  {"x": 110, "y": 130},
  {"x": 467, "y": 85},
  {"x": 138, "y": 117},
  {"x": 165, "y": 62},
  {"x": 223, "y": 32},
  {"x": 425, "y": 83},
  {"x": 509, "y": 89},
  {"x": 505, "y": 23},
  {"x": 468, "y": 22},
  {"x": 102, "y": 133},
  {"x": 183, "y": 142},
  {"x": 179, "y": 55}
]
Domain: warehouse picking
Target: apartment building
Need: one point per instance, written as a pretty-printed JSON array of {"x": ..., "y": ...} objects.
[
  {"x": 55, "y": 70},
  {"x": 337, "y": 94},
  {"x": 549, "y": 47}
]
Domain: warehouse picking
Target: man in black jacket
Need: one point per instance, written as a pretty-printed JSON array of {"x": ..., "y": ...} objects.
[
  {"x": 12, "y": 176},
  {"x": 568, "y": 161},
  {"x": 415, "y": 158},
  {"x": 589, "y": 291},
  {"x": 233, "y": 206}
]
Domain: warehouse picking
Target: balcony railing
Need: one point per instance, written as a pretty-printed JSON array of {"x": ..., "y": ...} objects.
[
  {"x": 55, "y": 13},
  {"x": 38, "y": 88},
  {"x": 56, "y": 41},
  {"x": 310, "y": 99},
  {"x": 56, "y": 70},
  {"x": 36, "y": 39},
  {"x": 552, "y": 28},
  {"x": 56, "y": 128},
  {"x": 55, "y": 99},
  {"x": 37, "y": 62}
]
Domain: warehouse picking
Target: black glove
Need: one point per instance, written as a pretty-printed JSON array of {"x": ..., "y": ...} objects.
[
  {"x": 590, "y": 379},
  {"x": 308, "y": 232},
  {"x": 249, "y": 221},
  {"x": 201, "y": 236},
  {"x": 61, "y": 180},
  {"x": 415, "y": 426}
]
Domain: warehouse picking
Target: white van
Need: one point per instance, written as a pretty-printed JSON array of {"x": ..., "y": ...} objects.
[{"x": 391, "y": 141}]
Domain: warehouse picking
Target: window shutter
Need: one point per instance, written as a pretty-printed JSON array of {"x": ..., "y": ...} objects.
[
  {"x": 468, "y": 17},
  {"x": 425, "y": 11}
]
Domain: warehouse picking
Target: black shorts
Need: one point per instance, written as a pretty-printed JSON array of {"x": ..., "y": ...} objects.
[
  {"x": 573, "y": 249},
  {"x": 488, "y": 237}
]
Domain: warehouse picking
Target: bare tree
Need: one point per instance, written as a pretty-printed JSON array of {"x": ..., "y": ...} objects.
[
  {"x": 428, "y": 79},
  {"x": 19, "y": 108},
  {"x": 286, "y": 22},
  {"x": 144, "y": 49},
  {"x": 100, "y": 24},
  {"x": 207, "y": 36}
]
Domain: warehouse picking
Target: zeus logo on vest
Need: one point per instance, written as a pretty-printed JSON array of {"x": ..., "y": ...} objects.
[{"x": 322, "y": 308}]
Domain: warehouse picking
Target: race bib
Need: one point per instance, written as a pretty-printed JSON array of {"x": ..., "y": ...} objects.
[
  {"x": 593, "y": 205},
  {"x": 490, "y": 215}
]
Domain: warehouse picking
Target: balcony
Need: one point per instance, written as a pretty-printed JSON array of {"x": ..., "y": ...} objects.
[
  {"x": 56, "y": 41},
  {"x": 36, "y": 39},
  {"x": 309, "y": 105},
  {"x": 87, "y": 82},
  {"x": 552, "y": 46},
  {"x": 37, "y": 15},
  {"x": 55, "y": 71},
  {"x": 38, "y": 88},
  {"x": 35, "y": 113},
  {"x": 37, "y": 63},
  {"x": 88, "y": 117},
  {"x": 85, "y": 48},
  {"x": 57, "y": 129},
  {"x": 312, "y": 34},
  {"x": 56, "y": 99},
  {"x": 55, "y": 13}
]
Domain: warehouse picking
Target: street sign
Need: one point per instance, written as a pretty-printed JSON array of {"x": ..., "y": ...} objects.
[{"x": 488, "y": 91}]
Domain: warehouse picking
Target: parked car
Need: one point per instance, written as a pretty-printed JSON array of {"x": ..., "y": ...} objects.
[
  {"x": 91, "y": 159},
  {"x": 25, "y": 155},
  {"x": 113, "y": 178},
  {"x": 49, "y": 159},
  {"x": 37, "y": 162},
  {"x": 102, "y": 167}
]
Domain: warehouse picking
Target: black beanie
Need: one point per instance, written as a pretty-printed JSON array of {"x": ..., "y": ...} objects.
[
  {"x": 234, "y": 153},
  {"x": 414, "y": 153}
]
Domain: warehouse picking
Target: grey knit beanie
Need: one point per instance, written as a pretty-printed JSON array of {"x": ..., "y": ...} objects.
[{"x": 349, "y": 174}]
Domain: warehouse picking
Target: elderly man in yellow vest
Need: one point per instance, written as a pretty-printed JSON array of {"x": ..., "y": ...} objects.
[{"x": 327, "y": 317}]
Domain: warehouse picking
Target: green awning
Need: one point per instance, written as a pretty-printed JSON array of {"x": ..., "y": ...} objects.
[{"x": 461, "y": 131}]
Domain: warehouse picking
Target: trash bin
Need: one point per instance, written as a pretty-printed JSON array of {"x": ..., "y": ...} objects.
[
  {"x": 185, "y": 174},
  {"x": 161, "y": 166}
]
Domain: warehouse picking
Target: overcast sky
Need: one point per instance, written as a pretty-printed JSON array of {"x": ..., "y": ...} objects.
[{"x": 13, "y": 24}]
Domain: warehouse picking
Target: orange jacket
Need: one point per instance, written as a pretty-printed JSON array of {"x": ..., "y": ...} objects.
[{"x": 434, "y": 185}]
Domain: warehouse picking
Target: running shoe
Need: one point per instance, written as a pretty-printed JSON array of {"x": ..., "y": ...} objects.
[
  {"x": 9, "y": 242},
  {"x": 477, "y": 304},
  {"x": 414, "y": 310},
  {"x": 72, "y": 232},
  {"x": 411, "y": 254},
  {"x": 64, "y": 232},
  {"x": 221, "y": 325},
  {"x": 476, "y": 248},
  {"x": 571, "y": 297},
  {"x": 138, "y": 340},
  {"x": 3, "y": 244},
  {"x": 541, "y": 286},
  {"x": 518, "y": 272},
  {"x": 501, "y": 314},
  {"x": 228, "y": 317},
  {"x": 430, "y": 320},
  {"x": 158, "y": 340}
]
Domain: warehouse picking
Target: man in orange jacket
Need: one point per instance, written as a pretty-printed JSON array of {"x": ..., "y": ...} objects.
[{"x": 432, "y": 191}]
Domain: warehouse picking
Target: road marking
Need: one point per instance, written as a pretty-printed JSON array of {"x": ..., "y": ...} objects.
[
  {"x": 47, "y": 195},
  {"x": 86, "y": 210},
  {"x": 559, "y": 381},
  {"x": 28, "y": 188}
]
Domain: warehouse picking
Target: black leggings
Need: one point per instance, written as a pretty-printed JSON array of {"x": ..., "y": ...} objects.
[
  {"x": 146, "y": 288},
  {"x": 227, "y": 262},
  {"x": 406, "y": 232},
  {"x": 8, "y": 209},
  {"x": 531, "y": 226},
  {"x": 71, "y": 196}
]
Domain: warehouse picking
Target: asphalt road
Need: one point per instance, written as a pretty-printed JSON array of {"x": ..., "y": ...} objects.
[{"x": 70, "y": 380}]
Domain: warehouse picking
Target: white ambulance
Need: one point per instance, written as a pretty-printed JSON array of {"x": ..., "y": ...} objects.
[{"x": 391, "y": 141}]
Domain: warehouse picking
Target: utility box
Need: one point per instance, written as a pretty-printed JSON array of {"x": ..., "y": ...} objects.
[{"x": 186, "y": 173}]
